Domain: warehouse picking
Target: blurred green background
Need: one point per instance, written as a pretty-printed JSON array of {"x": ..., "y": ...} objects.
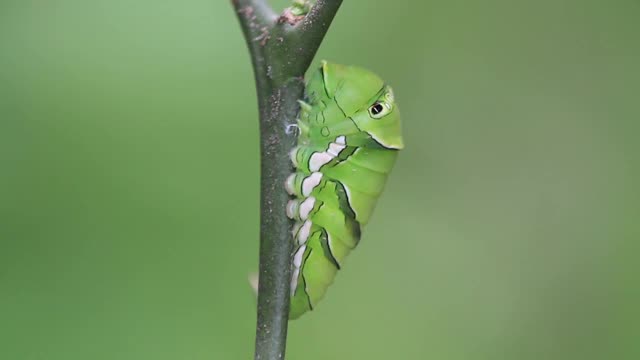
[{"x": 129, "y": 183}]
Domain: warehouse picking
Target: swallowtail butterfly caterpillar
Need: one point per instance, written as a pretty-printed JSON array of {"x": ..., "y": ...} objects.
[{"x": 349, "y": 137}]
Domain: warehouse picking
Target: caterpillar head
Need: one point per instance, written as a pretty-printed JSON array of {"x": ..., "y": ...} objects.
[{"x": 364, "y": 97}]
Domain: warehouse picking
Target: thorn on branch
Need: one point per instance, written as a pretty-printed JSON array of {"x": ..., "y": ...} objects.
[{"x": 263, "y": 37}]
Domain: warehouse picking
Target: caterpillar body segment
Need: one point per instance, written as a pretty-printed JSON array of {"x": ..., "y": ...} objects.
[{"x": 348, "y": 142}]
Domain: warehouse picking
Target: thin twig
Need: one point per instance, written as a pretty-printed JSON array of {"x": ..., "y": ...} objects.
[{"x": 280, "y": 54}]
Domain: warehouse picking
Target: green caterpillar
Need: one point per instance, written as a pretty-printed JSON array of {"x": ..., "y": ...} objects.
[{"x": 349, "y": 137}]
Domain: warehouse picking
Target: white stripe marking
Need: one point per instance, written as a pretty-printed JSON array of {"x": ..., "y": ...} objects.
[
  {"x": 306, "y": 207},
  {"x": 296, "y": 228},
  {"x": 297, "y": 258},
  {"x": 294, "y": 281},
  {"x": 309, "y": 183},
  {"x": 303, "y": 233},
  {"x": 342, "y": 140},
  {"x": 293, "y": 156},
  {"x": 292, "y": 207},
  {"x": 335, "y": 149},
  {"x": 318, "y": 159},
  {"x": 350, "y": 200},
  {"x": 386, "y": 145},
  {"x": 289, "y": 184},
  {"x": 330, "y": 242}
]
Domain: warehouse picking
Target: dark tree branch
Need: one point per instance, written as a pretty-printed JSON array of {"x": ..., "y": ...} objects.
[
  {"x": 256, "y": 18},
  {"x": 311, "y": 30},
  {"x": 280, "y": 54}
]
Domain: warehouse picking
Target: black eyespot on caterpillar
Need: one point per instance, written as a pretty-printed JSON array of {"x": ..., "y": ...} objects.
[
  {"x": 379, "y": 110},
  {"x": 376, "y": 109}
]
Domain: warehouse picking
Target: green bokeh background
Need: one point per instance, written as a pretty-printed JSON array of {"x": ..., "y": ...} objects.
[{"x": 129, "y": 183}]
